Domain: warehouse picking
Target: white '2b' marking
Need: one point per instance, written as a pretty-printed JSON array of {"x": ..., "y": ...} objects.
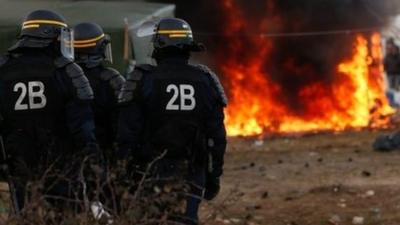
[
  {"x": 32, "y": 95},
  {"x": 186, "y": 93}
]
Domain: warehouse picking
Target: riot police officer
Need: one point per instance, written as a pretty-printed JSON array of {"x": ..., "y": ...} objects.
[
  {"x": 173, "y": 112},
  {"x": 92, "y": 50},
  {"x": 45, "y": 105}
]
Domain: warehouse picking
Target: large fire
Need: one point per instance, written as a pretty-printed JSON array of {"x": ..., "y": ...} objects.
[{"x": 354, "y": 99}]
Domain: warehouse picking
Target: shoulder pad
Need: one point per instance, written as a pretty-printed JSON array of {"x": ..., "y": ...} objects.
[
  {"x": 79, "y": 81},
  {"x": 132, "y": 82},
  {"x": 139, "y": 71},
  {"x": 215, "y": 81},
  {"x": 61, "y": 62},
  {"x": 114, "y": 78},
  {"x": 108, "y": 73}
]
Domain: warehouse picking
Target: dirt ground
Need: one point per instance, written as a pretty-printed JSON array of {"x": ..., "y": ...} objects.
[
  {"x": 323, "y": 179},
  {"x": 314, "y": 180}
]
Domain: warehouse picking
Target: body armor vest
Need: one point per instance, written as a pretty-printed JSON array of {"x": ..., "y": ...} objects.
[
  {"x": 30, "y": 97},
  {"x": 177, "y": 108}
]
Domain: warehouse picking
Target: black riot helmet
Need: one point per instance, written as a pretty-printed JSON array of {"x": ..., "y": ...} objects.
[
  {"x": 43, "y": 24},
  {"x": 90, "y": 42},
  {"x": 41, "y": 28},
  {"x": 170, "y": 33}
]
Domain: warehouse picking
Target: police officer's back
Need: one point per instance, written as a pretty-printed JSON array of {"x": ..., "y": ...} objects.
[
  {"x": 92, "y": 50},
  {"x": 175, "y": 111},
  {"x": 44, "y": 100}
]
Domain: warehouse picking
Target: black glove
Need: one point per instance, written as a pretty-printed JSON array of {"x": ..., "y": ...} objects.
[
  {"x": 212, "y": 188},
  {"x": 95, "y": 165}
]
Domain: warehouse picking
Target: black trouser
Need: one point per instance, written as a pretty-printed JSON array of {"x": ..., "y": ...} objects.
[
  {"x": 38, "y": 160},
  {"x": 194, "y": 180}
]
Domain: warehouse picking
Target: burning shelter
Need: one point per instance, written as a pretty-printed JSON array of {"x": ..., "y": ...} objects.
[{"x": 292, "y": 66}]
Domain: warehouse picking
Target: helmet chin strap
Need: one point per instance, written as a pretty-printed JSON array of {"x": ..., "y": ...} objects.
[{"x": 90, "y": 61}]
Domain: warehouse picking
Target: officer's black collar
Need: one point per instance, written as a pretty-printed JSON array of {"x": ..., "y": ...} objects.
[
  {"x": 30, "y": 43},
  {"x": 173, "y": 60}
]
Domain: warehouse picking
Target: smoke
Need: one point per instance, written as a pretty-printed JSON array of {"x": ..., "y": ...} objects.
[
  {"x": 207, "y": 15},
  {"x": 208, "y": 20}
]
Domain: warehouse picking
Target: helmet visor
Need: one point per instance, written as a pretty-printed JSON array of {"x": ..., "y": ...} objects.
[
  {"x": 67, "y": 43},
  {"x": 148, "y": 28},
  {"x": 108, "y": 53}
]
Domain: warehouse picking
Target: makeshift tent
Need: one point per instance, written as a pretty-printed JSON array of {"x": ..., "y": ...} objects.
[{"x": 112, "y": 16}]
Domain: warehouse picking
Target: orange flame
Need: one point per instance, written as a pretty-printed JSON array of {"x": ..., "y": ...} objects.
[{"x": 355, "y": 99}]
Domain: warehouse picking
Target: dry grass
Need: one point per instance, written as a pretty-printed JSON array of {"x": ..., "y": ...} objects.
[{"x": 313, "y": 180}]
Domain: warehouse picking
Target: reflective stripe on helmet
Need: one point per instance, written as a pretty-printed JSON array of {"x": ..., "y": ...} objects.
[
  {"x": 85, "y": 45},
  {"x": 31, "y": 26},
  {"x": 89, "y": 40},
  {"x": 178, "y": 35},
  {"x": 174, "y": 32},
  {"x": 48, "y": 22}
]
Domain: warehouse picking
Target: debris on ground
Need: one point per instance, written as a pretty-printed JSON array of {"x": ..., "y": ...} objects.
[
  {"x": 368, "y": 194},
  {"x": 366, "y": 173},
  {"x": 335, "y": 220},
  {"x": 358, "y": 220}
]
